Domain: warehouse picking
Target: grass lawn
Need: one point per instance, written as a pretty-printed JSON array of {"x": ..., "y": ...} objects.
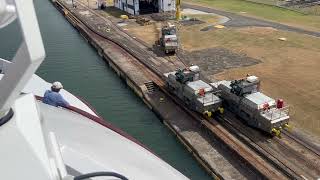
[{"x": 263, "y": 11}]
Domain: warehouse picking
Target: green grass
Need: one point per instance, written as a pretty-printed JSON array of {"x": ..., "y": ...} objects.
[
  {"x": 270, "y": 2},
  {"x": 244, "y": 38},
  {"x": 263, "y": 11}
]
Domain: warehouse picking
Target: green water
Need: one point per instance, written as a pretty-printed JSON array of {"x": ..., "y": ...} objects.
[{"x": 72, "y": 61}]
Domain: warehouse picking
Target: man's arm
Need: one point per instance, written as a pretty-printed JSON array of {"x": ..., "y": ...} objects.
[
  {"x": 62, "y": 102},
  {"x": 45, "y": 96}
]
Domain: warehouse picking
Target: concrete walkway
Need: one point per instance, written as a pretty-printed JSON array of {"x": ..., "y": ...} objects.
[{"x": 221, "y": 19}]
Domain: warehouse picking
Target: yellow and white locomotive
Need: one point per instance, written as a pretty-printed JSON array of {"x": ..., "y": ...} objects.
[
  {"x": 195, "y": 93},
  {"x": 242, "y": 97}
]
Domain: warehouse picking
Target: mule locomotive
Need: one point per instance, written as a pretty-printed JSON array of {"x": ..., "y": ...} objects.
[
  {"x": 195, "y": 93},
  {"x": 242, "y": 97}
]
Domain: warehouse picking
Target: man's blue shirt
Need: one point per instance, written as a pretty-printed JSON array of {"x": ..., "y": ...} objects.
[{"x": 54, "y": 99}]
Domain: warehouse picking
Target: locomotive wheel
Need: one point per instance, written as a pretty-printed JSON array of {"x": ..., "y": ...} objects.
[
  {"x": 207, "y": 114},
  {"x": 276, "y": 132},
  {"x": 221, "y": 110}
]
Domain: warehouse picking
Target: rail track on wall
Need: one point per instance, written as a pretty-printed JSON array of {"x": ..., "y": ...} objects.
[
  {"x": 253, "y": 148},
  {"x": 311, "y": 147},
  {"x": 302, "y": 3},
  {"x": 285, "y": 153}
]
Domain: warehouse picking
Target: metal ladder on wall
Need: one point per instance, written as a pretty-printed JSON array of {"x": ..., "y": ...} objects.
[{"x": 150, "y": 86}]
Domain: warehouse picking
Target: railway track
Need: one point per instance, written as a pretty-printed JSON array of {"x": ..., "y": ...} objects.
[
  {"x": 302, "y": 3},
  {"x": 141, "y": 59},
  {"x": 286, "y": 154},
  {"x": 298, "y": 140}
]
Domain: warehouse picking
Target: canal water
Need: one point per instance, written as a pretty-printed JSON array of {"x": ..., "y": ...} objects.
[{"x": 72, "y": 61}]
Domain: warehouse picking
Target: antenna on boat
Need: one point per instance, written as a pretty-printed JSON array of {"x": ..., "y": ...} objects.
[{"x": 29, "y": 55}]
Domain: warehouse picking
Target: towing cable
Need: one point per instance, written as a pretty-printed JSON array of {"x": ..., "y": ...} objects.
[{"x": 96, "y": 174}]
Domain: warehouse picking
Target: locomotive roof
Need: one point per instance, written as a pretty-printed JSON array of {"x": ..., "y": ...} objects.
[
  {"x": 254, "y": 100},
  {"x": 259, "y": 99},
  {"x": 209, "y": 99},
  {"x": 199, "y": 84}
]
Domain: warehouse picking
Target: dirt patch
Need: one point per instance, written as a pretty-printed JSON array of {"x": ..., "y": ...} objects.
[
  {"x": 191, "y": 21},
  {"x": 163, "y": 16},
  {"x": 207, "y": 28},
  {"x": 257, "y": 30},
  {"x": 207, "y": 18},
  {"x": 215, "y": 60},
  {"x": 148, "y": 33},
  {"x": 115, "y": 12}
]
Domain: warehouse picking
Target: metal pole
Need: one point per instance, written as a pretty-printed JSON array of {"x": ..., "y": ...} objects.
[{"x": 178, "y": 10}]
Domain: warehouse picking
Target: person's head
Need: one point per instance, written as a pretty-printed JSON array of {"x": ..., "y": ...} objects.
[{"x": 56, "y": 86}]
